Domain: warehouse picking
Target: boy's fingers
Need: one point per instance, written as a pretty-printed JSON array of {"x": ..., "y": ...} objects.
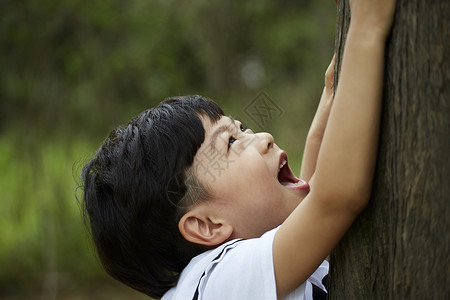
[
  {"x": 329, "y": 74},
  {"x": 333, "y": 61}
]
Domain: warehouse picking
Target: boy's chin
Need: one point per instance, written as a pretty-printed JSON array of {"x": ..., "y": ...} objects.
[{"x": 297, "y": 194}]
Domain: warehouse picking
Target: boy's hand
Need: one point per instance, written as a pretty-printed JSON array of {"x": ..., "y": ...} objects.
[
  {"x": 371, "y": 18},
  {"x": 323, "y": 111},
  {"x": 315, "y": 134},
  {"x": 329, "y": 79}
]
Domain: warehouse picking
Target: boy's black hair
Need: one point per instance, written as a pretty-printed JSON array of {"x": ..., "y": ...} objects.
[{"x": 138, "y": 185}]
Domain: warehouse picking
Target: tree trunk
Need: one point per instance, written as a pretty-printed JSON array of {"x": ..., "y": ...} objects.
[{"x": 398, "y": 248}]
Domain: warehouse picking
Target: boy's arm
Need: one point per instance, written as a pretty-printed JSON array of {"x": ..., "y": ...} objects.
[
  {"x": 343, "y": 177},
  {"x": 317, "y": 129}
]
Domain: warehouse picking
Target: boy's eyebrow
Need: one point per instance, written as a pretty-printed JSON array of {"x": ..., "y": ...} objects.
[{"x": 218, "y": 131}]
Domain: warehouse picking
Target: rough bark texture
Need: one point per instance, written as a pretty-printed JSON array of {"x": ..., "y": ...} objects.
[{"x": 399, "y": 246}]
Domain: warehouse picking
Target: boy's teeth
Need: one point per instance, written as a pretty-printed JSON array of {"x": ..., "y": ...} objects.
[{"x": 283, "y": 163}]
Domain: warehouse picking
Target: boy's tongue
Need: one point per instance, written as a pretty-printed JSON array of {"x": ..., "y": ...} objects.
[
  {"x": 300, "y": 185},
  {"x": 289, "y": 180}
]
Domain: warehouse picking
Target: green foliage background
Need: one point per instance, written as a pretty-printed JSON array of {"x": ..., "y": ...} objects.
[{"x": 71, "y": 71}]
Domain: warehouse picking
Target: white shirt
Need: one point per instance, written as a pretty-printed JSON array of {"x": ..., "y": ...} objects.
[{"x": 239, "y": 269}]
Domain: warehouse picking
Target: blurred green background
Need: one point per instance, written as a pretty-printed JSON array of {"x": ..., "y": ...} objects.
[{"x": 72, "y": 70}]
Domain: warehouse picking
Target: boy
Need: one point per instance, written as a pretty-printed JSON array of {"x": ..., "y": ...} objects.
[{"x": 164, "y": 226}]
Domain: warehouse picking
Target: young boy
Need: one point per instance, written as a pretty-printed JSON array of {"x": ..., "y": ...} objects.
[{"x": 164, "y": 226}]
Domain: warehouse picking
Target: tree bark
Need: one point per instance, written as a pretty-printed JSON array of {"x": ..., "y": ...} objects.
[{"x": 398, "y": 248}]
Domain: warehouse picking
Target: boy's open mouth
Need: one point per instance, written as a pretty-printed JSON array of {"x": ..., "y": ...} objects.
[{"x": 287, "y": 178}]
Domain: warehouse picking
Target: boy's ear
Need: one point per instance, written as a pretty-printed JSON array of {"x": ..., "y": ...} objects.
[{"x": 200, "y": 228}]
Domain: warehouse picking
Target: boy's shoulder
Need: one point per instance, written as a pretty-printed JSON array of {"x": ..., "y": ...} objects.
[
  {"x": 234, "y": 269},
  {"x": 238, "y": 269}
]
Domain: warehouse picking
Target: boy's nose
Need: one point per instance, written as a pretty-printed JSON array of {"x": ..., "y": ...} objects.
[{"x": 264, "y": 141}]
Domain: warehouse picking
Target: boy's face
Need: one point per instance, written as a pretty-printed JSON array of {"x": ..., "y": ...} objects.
[{"x": 241, "y": 169}]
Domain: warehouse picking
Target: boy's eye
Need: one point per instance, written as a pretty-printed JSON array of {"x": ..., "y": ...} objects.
[{"x": 231, "y": 140}]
